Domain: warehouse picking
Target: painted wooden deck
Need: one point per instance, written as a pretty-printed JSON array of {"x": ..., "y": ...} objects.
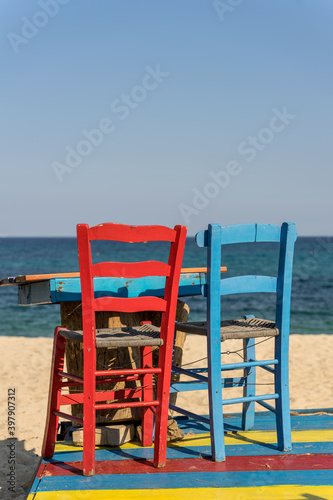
[{"x": 254, "y": 468}]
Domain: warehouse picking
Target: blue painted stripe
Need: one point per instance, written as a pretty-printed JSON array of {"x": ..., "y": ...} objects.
[
  {"x": 195, "y": 451},
  {"x": 35, "y": 484},
  {"x": 187, "y": 480}
]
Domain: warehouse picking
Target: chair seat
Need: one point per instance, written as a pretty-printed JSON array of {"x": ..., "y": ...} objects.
[
  {"x": 129, "y": 336},
  {"x": 234, "y": 329}
]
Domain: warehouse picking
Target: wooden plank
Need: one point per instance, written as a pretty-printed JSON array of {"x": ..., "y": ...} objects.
[
  {"x": 130, "y": 234},
  {"x": 194, "y": 465},
  {"x": 185, "y": 270},
  {"x": 209, "y": 493},
  {"x": 39, "y": 277},
  {"x": 58, "y": 290},
  {"x": 248, "y": 284},
  {"x": 25, "y": 278},
  {"x": 252, "y": 470},
  {"x": 242, "y": 438},
  {"x": 177, "y": 480},
  {"x": 74, "y": 454}
]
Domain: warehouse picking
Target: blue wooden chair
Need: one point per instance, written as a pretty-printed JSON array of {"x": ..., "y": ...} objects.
[{"x": 248, "y": 329}]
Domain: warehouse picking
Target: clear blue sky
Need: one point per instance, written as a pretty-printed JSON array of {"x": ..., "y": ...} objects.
[{"x": 206, "y": 112}]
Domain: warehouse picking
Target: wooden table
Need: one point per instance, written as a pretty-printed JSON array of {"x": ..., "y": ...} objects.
[{"x": 65, "y": 289}]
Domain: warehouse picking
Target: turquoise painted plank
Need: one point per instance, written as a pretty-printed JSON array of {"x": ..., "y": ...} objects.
[
  {"x": 194, "y": 479},
  {"x": 121, "y": 287},
  {"x": 243, "y": 233},
  {"x": 245, "y": 284},
  {"x": 56, "y": 290},
  {"x": 35, "y": 486},
  {"x": 70, "y": 288},
  {"x": 249, "y": 233},
  {"x": 187, "y": 386},
  {"x": 195, "y": 451},
  {"x": 248, "y": 284},
  {"x": 214, "y": 343},
  {"x": 282, "y": 322}
]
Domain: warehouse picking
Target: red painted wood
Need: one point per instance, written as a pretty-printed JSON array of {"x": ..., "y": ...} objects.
[
  {"x": 70, "y": 399},
  {"x": 127, "y": 371},
  {"x": 57, "y": 365},
  {"x": 103, "y": 380},
  {"x": 127, "y": 404},
  {"x": 195, "y": 465},
  {"x": 166, "y": 350},
  {"x": 129, "y": 305},
  {"x": 42, "y": 467},
  {"x": 131, "y": 234},
  {"x": 147, "y": 419},
  {"x": 130, "y": 269}
]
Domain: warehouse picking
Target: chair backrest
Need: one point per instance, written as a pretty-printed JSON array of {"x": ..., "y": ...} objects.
[
  {"x": 129, "y": 234},
  {"x": 216, "y": 236}
]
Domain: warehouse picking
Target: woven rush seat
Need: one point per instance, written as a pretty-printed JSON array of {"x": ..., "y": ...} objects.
[
  {"x": 234, "y": 329},
  {"x": 127, "y": 336}
]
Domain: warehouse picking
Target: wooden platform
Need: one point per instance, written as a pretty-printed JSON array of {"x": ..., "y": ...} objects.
[{"x": 254, "y": 468}]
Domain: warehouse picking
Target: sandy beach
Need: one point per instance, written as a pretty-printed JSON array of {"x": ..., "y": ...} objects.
[{"x": 25, "y": 365}]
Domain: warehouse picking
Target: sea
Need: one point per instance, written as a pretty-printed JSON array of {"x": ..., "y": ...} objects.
[{"x": 312, "y": 291}]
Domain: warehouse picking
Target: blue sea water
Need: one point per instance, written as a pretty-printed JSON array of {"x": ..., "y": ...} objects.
[{"x": 312, "y": 294}]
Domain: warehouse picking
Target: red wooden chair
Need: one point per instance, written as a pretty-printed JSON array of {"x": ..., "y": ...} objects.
[{"x": 145, "y": 336}]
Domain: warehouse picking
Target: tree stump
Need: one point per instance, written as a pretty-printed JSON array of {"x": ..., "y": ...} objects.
[{"x": 112, "y": 358}]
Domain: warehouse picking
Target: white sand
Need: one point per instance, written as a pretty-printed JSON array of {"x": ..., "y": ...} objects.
[{"x": 25, "y": 365}]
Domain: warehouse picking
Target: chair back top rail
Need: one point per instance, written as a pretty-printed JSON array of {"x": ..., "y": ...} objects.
[
  {"x": 241, "y": 233},
  {"x": 130, "y": 234}
]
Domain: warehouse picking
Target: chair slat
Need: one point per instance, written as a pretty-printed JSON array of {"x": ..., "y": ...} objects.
[
  {"x": 130, "y": 269},
  {"x": 131, "y": 234},
  {"x": 134, "y": 304},
  {"x": 248, "y": 284}
]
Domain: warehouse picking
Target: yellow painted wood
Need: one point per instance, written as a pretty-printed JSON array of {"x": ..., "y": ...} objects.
[
  {"x": 263, "y": 492},
  {"x": 249, "y": 437},
  {"x": 252, "y": 437}
]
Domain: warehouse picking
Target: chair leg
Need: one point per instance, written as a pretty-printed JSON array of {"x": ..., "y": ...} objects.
[
  {"x": 283, "y": 424},
  {"x": 249, "y": 387},
  {"x": 147, "y": 419},
  {"x": 89, "y": 412},
  {"x": 162, "y": 410},
  {"x": 57, "y": 365},
  {"x": 215, "y": 397}
]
